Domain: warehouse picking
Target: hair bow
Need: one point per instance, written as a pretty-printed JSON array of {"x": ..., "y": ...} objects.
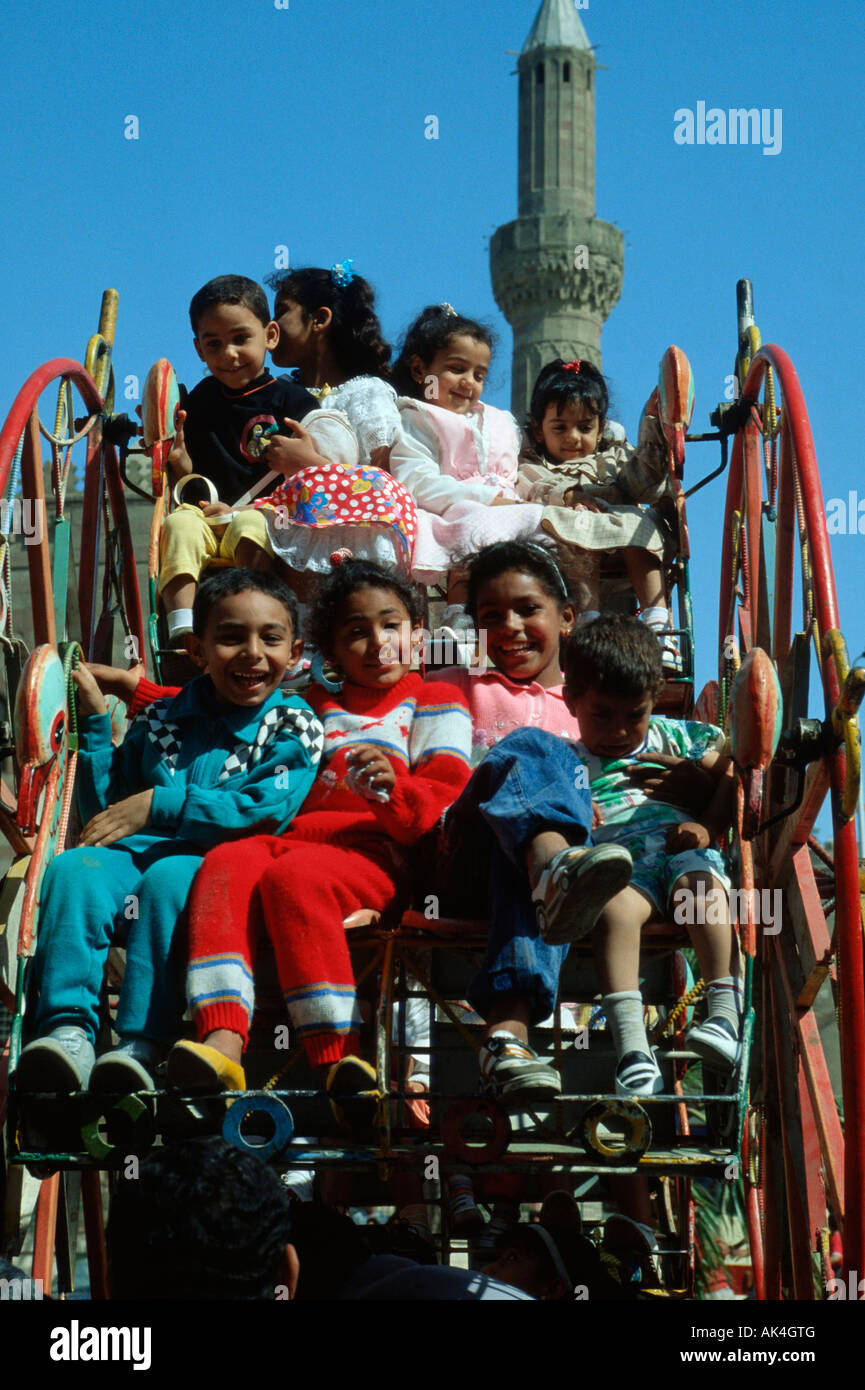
[
  {"x": 449, "y": 310},
  {"x": 340, "y": 556},
  {"x": 342, "y": 273},
  {"x": 572, "y": 366}
]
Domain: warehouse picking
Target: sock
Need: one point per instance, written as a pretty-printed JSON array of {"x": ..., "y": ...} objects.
[
  {"x": 658, "y": 619},
  {"x": 724, "y": 1000},
  {"x": 179, "y": 622},
  {"x": 624, "y": 1012},
  {"x": 587, "y": 616}
]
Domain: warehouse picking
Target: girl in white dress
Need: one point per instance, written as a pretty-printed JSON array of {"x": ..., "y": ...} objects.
[
  {"x": 330, "y": 333},
  {"x": 456, "y": 455}
]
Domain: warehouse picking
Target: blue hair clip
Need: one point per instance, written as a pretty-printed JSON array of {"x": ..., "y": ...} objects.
[
  {"x": 316, "y": 673},
  {"x": 342, "y": 273}
]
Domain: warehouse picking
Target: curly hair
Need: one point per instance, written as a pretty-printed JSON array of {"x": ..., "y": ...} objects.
[
  {"x": 431, "y": 331},
  {"x": 355, "y": 338},
  {"x": 615, "y": 654},
  {"x": 557, "y": 386},
  {"x": 229, "y": 289},
  {"x": 203, "y": 1219},
  {"x": 345, "y": 581}
]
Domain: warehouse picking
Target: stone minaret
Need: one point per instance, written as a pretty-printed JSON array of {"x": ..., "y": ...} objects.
[{"x": 556, "y": 271}]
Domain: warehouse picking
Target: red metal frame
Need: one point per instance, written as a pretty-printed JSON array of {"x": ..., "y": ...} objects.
[{"x": 797, "y": 452}]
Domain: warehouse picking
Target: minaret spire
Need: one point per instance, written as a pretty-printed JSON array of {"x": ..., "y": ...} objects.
[{"x": 557, "y": 270}]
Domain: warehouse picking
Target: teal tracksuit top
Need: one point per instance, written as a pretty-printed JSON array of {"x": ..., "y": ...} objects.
[{"x": 218, "y": 771}]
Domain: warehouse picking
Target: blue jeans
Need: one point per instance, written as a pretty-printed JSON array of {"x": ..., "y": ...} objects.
[
  {"x": 92, "y": 898},
  {"x": 529, "y": 782}
]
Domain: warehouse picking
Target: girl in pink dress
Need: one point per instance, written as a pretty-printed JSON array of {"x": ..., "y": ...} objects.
[{"x": 456, "y": 455}]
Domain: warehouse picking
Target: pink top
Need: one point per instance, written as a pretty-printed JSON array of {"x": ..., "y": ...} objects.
[
  {"x": 498, "y": 706},
  {"x": 443, "y": 457}
]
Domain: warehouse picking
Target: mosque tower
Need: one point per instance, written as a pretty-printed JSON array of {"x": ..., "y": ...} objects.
[{"x": 556, "y": 271}]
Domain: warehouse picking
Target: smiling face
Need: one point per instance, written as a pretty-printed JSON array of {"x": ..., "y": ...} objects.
[
  {"x": 460, "y": 370},
  {"x": 373, "y": 626},
  {"x": 233, "y": 342},
  {"x": 569, "y": 431},
  {"x": 524, "y": 626},
  {"x": 247, "y": 645},
  {"x": 611, "y": 726}
]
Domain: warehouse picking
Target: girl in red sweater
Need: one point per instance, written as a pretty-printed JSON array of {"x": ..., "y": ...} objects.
[{"x": 396, "y": 754}]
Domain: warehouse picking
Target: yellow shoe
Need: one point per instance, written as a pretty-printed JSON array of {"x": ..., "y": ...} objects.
[
  {"x": 193, "y": 1066},
  {"x": 355, "y": 1099}
]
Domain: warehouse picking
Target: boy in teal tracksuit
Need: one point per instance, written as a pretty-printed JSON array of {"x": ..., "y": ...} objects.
[{"x": 231, "y": 755}]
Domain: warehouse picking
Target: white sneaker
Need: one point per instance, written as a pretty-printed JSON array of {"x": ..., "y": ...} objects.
[
  {"x": 716, "y": 1042},
  {"x": 575, "y": 887},
  {"x": 62, "y": 1061}
]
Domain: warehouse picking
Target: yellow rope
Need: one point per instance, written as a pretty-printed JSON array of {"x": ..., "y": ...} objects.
[{"x": 666, "y": 1024}]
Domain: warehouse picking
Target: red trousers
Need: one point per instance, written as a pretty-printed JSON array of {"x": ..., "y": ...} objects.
[{"x": 300, "y": 891}]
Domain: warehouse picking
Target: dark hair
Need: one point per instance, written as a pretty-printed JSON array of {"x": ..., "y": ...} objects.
[
  {"x": 350, "y": 576},
  {"x": 203, "y": 1219},
  {"x": 330, "y": 1247},
  {"x": 524, "y": 556},
  {"x": 558, "y": 386},
  {"x": 229, "y": 289},
  {"x": 616, "y": 654},
  {"x": 431, "y": 331},
  {"x": 355, "y": 337},
  {"x": 222, "y": 583}
]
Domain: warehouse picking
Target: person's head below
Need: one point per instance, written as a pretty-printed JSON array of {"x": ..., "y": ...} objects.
[
  {"x": 362, "y": 622},
  {"x": 444, "y": 359},
  {"x": 203, "y": 1219},
  {"x": 550, "y": 1263},
  {"x": 521, "y": 596},
  {"x": 327, "y": 326},
  {"x": 568, "y": 410},
  {"x": 233, "y": 329},
  {"x": 244, "y": 634},
  {"x": 613, "y": 677}
]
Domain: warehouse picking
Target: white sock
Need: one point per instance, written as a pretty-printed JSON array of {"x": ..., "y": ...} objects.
[
  {"x": 658, "y": 619},
  {"x": 724, "y": 1000},
  {"x": 624, "y": 1012},
  {"x": 179, "y": 622},
  {"x": 587, "y": 616}
]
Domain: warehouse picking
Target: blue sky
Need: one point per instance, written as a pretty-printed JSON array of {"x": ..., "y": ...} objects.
[{"x": 260, "y": 127}]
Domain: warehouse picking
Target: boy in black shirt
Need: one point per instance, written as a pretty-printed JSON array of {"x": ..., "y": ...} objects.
[{"x": 223, "y": 434}]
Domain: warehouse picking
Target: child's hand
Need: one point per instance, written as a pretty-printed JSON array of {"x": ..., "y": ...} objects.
[
  {"x": 688, "y": 835},
  {"x": 372, "y": 771},
  {"x": 597, "y": 815},
  {"x": 90, "y": 699},
  {"x": 580, "y": 501},
  {"x": 178, "y": 459},
  {"x": 114, "y": 681},
  {"x": 679, "y": 781},
  {"x": 125, "y": 818},
  {"x": 214, "y": 508},
  {"x": 505, "y": 501},
  {"x": 289, "y": 456}
]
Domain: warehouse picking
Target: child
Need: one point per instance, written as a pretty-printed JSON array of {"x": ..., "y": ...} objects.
[
  {"x": 329, "y": 332},
  {"x": 229, "y": 755},
  {"x": 396, "y": 753},
  {"x": 223, "y": 435},
  {"x": 612, "y": 678},
  {"x": 524, "y": 732},
  {"x": 457, "y": 456},
  {"x": 587, "y": 482}
]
